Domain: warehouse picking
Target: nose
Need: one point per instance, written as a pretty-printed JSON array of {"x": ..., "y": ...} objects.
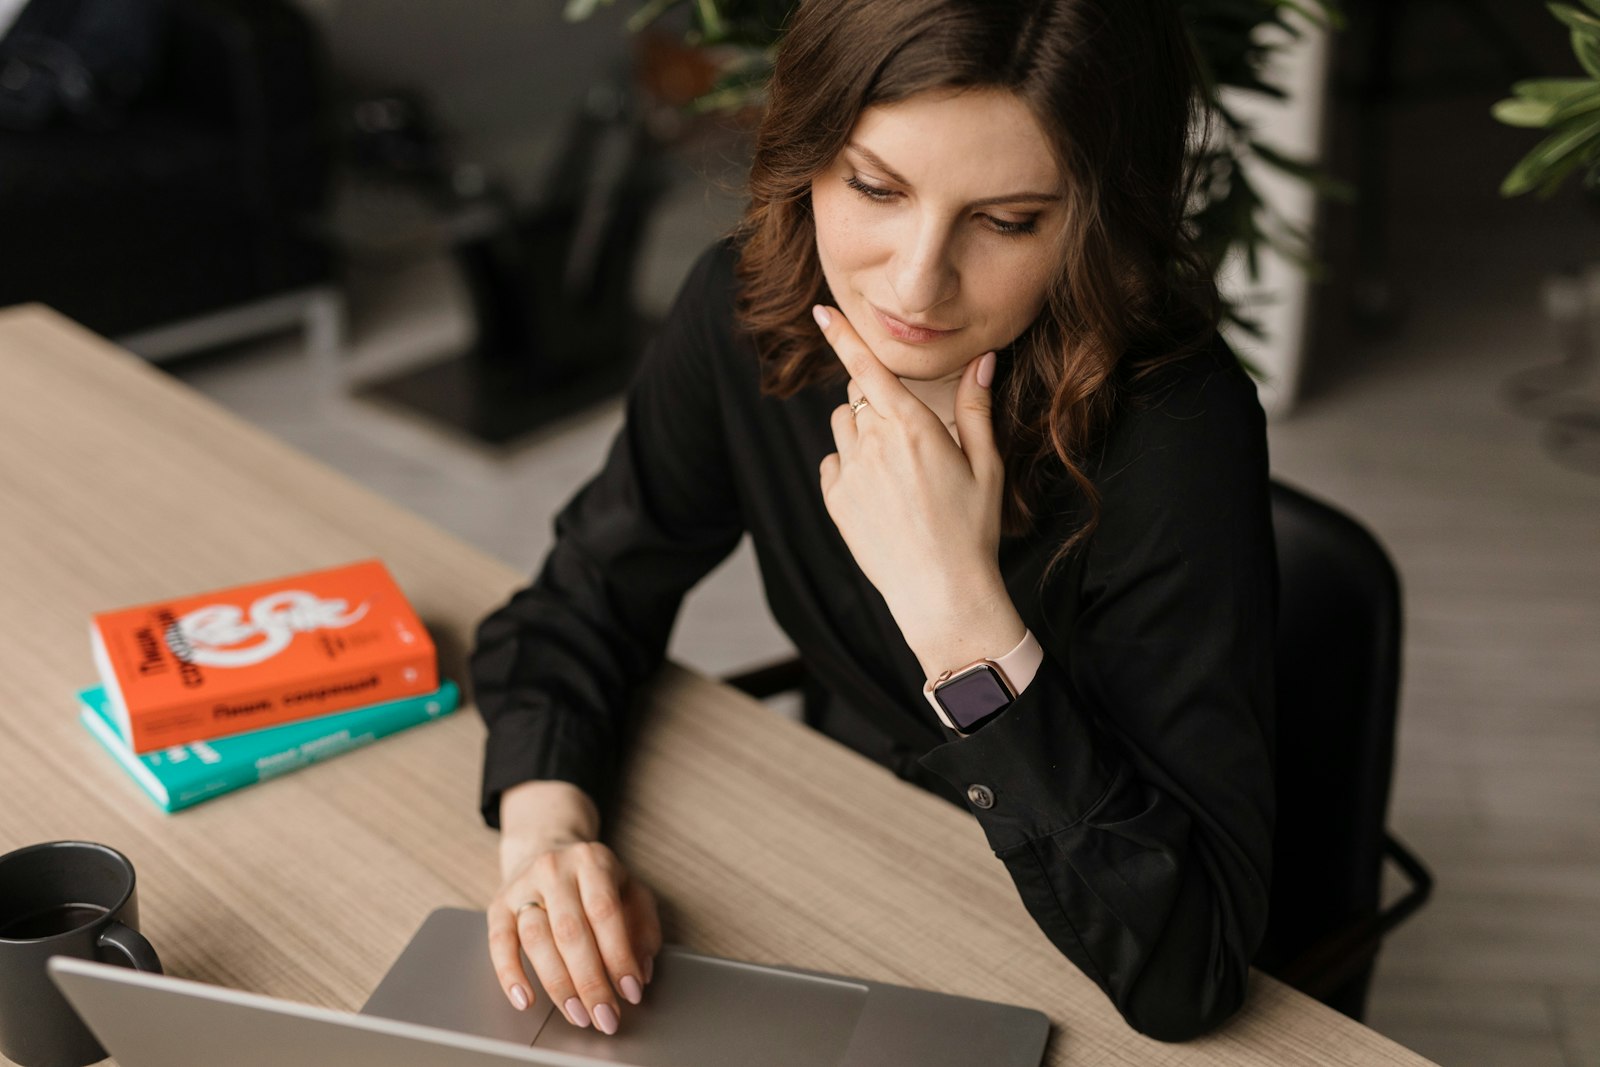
[{"x": 923, "y": 272}]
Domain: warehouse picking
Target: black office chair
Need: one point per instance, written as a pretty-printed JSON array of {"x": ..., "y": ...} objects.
[
  {"x": 1338, "y": 682},
  {"x": 1338, "y": 675}
]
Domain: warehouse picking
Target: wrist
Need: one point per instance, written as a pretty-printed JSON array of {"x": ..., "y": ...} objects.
[
  {"x": 540, "y": 815},
  {"x": 974, "y": 622}
]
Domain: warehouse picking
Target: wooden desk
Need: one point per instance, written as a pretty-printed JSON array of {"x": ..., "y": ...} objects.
[{"x": 763, "y": 840}]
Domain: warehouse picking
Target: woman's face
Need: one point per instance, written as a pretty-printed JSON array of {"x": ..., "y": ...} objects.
[{"x": 939, "y": 226}]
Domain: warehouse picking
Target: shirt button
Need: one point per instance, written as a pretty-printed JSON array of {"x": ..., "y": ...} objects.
[{"x": 981, "y": 796}]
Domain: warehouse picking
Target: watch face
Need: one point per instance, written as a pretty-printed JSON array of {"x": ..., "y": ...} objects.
[{"x": 972, "y": 697}]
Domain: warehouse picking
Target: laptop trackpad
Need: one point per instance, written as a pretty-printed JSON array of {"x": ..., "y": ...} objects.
[
  {"x": 697, "y": 1011},
  {"x": 701, "y": 1012}
]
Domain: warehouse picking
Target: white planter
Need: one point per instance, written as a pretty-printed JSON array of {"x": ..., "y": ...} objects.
[{"x": 1280, "y": 297}]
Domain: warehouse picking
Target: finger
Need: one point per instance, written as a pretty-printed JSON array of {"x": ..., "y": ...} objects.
[
  {"x": 533, "y": 930},
  {"x": 853, "y": 393},
  {"x": 569, "y": 925},
  {"x": 876, "y": 382},
  {"x": 860, "y": 406},
  {"x": 505, "y": 952},
  {"x": 645, "y": 924},
  {"x": 602, "y": 903},
  {"x": 975, "y": 417},
  {"x": 844, "y": 427},
  {"x": 828, "y": 473}
]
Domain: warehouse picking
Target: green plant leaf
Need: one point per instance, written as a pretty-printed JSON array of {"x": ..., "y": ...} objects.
[
  {"x": 578, "y": 10},
  {"x": 1550, "y": 181},
  {"x": 1324, "y": 183},
  {"x": 1250, "y": 326},
  {"x": 1319, "y": 18},
  {"x": 1329, "y": 14},
  {"x": 1592, "y": 5},
  {"x": 1575, "y": 105},
  {"x": 1577, "y": 136},
  {"x": 648, "y": 13},
  {"x": 1587, "y": 48},
  {"x": 1551, "y": 90},
  {"x": 711, "y": 19},
  {"x": 1531, "y": 113},
  {"x": 1580, "y": 21}
]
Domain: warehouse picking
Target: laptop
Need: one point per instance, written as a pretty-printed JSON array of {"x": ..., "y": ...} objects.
[{"x": 440, "y": 1005}]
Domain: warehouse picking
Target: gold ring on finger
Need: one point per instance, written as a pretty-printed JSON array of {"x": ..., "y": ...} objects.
[
  {"x": 524, "y": 906},
  {"x": 856, "y": 406}
]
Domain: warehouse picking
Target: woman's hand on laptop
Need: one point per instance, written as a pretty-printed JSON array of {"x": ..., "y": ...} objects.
[{"x": 589, "y": 928}]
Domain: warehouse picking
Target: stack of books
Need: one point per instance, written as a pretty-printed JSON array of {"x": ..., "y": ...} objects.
[{"x": 204, "y": 694}]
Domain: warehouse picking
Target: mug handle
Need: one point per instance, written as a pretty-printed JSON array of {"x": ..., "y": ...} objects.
[{"x": 132, "y": 945}]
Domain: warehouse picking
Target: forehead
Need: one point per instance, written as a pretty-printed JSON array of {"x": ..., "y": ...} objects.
[{"x": 973, "y": 143}]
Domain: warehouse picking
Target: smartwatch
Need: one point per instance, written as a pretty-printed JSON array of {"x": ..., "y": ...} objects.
[{"x": 967, "y": 698}]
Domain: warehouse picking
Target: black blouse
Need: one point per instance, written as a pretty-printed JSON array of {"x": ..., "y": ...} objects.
[{"x": 1128, "y": 789}]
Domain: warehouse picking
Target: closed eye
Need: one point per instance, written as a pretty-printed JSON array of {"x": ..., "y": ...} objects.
[
  {"x": 1004, "y": 227},
  {"x": 871, "y": 192},
  {"x": 1013, "y": 229}
]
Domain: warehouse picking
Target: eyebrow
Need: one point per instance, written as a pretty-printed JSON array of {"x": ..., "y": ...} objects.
[{"x": 877, "y": 161}]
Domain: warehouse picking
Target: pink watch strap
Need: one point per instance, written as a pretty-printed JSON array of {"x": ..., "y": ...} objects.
[{"x": 1019, "y": 666}]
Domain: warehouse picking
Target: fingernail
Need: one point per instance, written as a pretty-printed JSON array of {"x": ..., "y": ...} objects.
[
  {"x": 519, "y": 997},
  {"x": 575, "y": 1013},
  {"x": 605, "y": 1018},
  {"x": 986, "y": 370},
  {"x": 649, "y": 969},
  {"x": 631, "y": 989},
  {"x": 820, "y": 313}
]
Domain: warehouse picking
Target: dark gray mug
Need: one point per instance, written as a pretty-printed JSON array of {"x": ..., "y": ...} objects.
[{"x": 62, "y": 898}]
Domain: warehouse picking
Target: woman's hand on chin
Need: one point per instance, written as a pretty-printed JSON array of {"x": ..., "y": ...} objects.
[{"x": 919, "y": 512}]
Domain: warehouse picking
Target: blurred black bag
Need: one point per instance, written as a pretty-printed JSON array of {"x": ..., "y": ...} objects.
[{"x": 81, "y": 60}]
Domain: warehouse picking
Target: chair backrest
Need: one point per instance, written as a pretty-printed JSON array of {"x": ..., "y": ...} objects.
[{"x": 1338, "y": 675}]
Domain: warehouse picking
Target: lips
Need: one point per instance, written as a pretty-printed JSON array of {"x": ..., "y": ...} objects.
[{"x": 910, "y": 333}]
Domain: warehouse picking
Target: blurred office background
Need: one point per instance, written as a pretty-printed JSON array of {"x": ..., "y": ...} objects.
[{"x": 356, "y": 192}]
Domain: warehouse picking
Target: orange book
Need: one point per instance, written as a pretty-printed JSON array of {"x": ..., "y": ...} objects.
[{"x": 200, "y": 667}]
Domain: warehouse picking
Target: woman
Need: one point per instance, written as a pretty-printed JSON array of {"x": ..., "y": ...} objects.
[{"x": 957, "y": 375}]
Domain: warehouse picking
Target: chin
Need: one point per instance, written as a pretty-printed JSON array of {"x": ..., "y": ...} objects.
[
  {"x": 919, "y": 363},
  {"x": 916, "y": 366}
]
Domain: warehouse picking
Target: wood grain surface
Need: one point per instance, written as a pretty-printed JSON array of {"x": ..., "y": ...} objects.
[{"x": 763, "y": 840}]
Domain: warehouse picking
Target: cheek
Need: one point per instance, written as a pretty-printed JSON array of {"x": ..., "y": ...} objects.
[
  {"x": 846, "y": 236},
  {"x": 1013, "y": 295}
]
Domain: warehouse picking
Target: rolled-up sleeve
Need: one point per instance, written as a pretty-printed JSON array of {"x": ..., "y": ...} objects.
[{"x": 1129, "y": 789}]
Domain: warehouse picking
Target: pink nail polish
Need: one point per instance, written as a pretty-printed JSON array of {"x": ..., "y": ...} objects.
[
  {"x": 986, "y": 370},
  {"x": 631, "y": 989},
  {"x": 519, "y": 997},
  {"x": 820, "y": 313},
  {"x": 605, "y": 1018},
  {"x": 576, "y": 1013}
]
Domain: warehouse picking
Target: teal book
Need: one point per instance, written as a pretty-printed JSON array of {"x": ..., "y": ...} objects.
[{"x": 177, "y": 778}]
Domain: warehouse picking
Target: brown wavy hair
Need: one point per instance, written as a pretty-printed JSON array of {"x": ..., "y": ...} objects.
[{"x": 1115, "y": 84}]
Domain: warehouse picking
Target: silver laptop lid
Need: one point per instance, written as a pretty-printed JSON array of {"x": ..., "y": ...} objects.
[{"x": 148, "y": 1020}]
